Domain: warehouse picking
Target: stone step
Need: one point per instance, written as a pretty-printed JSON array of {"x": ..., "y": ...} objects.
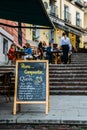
[
  {"x": 53, "y": 79},
  {"x": 70, "y": 87},
  {"x": 7, "y": 66},
  {"x": 67, "y": 74},
  {"x": 68, "y": 68},
  {"x": 78, "y": 62},
  {"x": 68, "y": 71},
  {"x": 79, "y": 58},
  {"x": 79, "y": 54},
  {"x": 68, "y": 83},
  {"x": 67, "y": 65},
  {"x": 68, "y": 92}
]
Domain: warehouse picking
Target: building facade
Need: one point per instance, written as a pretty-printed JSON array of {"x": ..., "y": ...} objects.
[
  {"x": 67, "y": 15},
  {"x": 70, "y": 18}
]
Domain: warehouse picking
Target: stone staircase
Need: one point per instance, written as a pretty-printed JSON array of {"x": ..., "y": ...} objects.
[
  {"x": 69, "y": 79},
  {"x": 79, "y": 58},
  {"x": 66, "y": 79}
]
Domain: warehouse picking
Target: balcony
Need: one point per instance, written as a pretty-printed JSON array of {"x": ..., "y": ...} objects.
[
  {"x": 54, "y": 10},
  {"x": 79, "y": 3}
]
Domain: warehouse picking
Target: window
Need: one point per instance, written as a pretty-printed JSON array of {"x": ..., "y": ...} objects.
[
  {"x": 35, "y": 34},
  {"x": 66, "y": 13},
  {"x": 78, "y": 19},
  {"x": 5, "y": 46}
]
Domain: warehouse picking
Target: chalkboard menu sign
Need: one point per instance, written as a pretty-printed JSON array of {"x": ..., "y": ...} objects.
[
  {"x": 31, "y": 84},
  {"x": 31, "y": 81}
]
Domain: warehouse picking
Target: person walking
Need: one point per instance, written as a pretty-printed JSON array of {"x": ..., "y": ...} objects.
[{"x": 65, "y": 45}]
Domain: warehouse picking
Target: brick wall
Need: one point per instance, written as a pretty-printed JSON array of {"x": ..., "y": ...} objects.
[{"x": 14, "y": 31}]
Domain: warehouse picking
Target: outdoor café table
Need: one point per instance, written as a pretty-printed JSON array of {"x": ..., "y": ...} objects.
[
  {"x": 20, "y": 55},
  {"x": 55, "y": 54}
]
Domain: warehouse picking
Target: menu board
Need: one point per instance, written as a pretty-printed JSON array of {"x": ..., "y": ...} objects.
[{"x": 31, "y": 84}]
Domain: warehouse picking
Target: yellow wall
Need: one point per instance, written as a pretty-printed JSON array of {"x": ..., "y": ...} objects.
[
  {"x": 28, "y": 33},
  {"x": 58, "y": 35},
  {"x": 44, "y": 35},
  {"x": 72, "y": 39}
]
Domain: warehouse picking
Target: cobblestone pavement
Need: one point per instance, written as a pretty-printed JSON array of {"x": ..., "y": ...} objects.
[{"x": 42, "y": 127}]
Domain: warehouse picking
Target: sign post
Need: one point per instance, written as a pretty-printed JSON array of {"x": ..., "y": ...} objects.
[{"x": 31, "y": 83}]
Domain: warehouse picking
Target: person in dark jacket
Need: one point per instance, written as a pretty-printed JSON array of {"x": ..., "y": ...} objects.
[
  {"x": 49, "y": 53},
  {"x": 40, "y": 49}
]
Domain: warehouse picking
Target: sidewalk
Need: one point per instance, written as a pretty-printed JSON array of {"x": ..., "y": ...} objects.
[{"x": 63, "y": 109}]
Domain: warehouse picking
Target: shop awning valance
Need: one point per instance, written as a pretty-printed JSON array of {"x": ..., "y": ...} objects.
[{"x": 25, "y": 11}]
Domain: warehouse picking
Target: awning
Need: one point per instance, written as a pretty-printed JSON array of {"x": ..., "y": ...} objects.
[
  {"x": 71, "y": 29},
  {"x": 25, "y": 11},
  {"x": 75, "y": 29}
]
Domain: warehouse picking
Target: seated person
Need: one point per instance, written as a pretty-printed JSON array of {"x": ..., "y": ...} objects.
[
  {"x": 48, "y": 52},
  {"x": 40, "y": 49},
  {"x": 12, "y": 54},
  {"x": 28, "y": 52}
]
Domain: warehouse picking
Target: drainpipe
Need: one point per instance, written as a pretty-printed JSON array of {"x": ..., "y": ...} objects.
[{"x": 19, "y": 34}]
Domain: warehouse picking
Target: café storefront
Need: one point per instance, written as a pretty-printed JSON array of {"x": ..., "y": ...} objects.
[{"x": 74, "y": 33}]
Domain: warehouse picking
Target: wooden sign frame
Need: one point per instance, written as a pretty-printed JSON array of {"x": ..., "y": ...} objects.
[{"x": 17, "y": 101}]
